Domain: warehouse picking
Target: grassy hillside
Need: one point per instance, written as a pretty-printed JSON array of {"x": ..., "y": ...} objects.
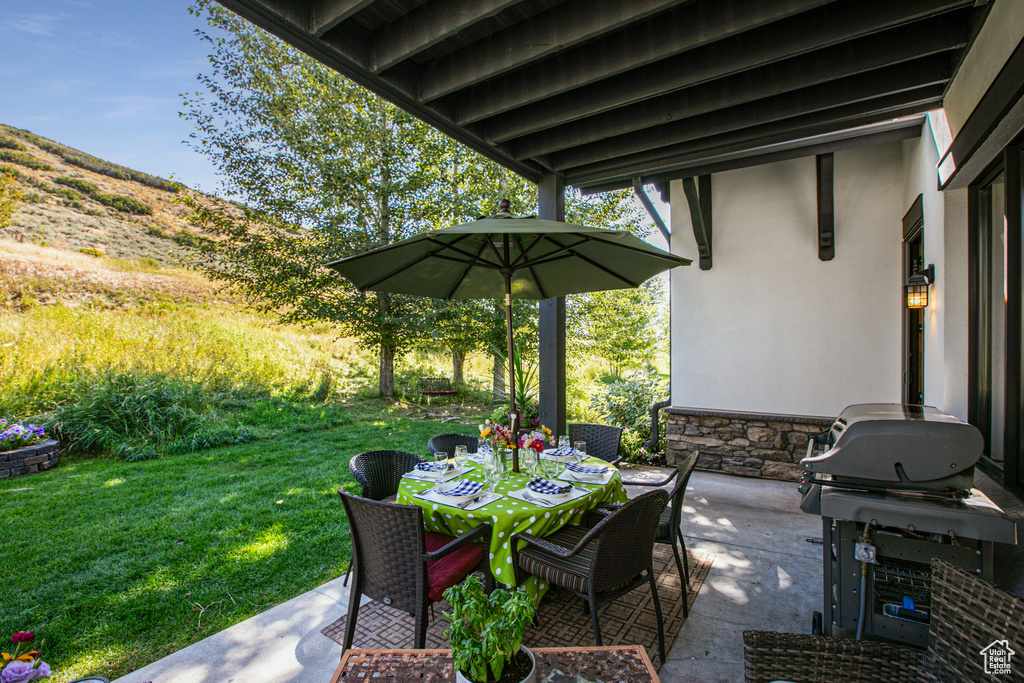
[{"x": 72, "y": 200}]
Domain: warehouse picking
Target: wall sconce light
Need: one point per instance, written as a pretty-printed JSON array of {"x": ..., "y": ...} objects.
[{"x": 916, "y": 289}]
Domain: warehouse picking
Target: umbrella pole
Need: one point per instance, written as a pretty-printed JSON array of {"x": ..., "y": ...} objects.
[{"x": 513, "y": 414}]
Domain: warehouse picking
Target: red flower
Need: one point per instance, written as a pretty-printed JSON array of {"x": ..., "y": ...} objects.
[{"x": 23, "y": 637}]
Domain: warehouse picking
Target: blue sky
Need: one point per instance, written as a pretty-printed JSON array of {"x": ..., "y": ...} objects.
[{"x": 105, "y": 77}]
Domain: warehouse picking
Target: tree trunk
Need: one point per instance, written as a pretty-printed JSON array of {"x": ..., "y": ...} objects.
[
  {"x": 386, "y": 378},
  {"x": 458, "y": 361},
  {"x": 498, "y": 377}
]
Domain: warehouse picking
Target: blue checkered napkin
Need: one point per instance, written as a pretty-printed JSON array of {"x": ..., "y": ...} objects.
[
  {"x": 484, "y": 447},
  {"x": 586, "y": 469},
  {"x": 433, "y": 467},
  {"x": 466, "y": 487},
  {"x": 561, "y": 452},
  {"x": 548, "y": 488}
]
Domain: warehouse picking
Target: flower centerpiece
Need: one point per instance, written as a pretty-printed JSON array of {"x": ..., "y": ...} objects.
[
  {"x": 535, "y": 440},
  {"x": 15, "y": 434},
  {"x": 498, "y": 436},
  {"x": 487, "y": 632},
  {"x": 22, "y": 667}
]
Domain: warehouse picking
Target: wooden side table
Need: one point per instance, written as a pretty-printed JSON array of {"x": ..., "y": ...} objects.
[{"x": 621, "y": 663}]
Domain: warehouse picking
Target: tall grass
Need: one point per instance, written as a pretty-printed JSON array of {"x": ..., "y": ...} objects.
[{"x": 47, "y": 353}]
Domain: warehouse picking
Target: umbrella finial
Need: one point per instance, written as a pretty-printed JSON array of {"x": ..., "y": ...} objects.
[{"x": 504, "y": 206}]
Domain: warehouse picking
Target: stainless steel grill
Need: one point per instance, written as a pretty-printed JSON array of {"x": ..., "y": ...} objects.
[{"x": 892, "y": 484}]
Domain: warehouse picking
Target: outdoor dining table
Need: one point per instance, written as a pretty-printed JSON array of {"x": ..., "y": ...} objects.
[{"x": 509, "y": 515}]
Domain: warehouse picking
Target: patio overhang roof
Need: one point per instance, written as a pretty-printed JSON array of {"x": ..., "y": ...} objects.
[{"x": 602, "y": 92}]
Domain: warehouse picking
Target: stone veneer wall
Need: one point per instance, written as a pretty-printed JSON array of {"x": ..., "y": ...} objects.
[
  {"x": 35, "y": 458},
  {"x": 748, "y": 444}
]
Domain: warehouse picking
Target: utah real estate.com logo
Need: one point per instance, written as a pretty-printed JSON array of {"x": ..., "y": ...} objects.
[{"x": 997, "y": 657}]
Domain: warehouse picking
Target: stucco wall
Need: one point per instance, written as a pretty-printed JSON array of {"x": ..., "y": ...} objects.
[{"x": 770, "y": 328}]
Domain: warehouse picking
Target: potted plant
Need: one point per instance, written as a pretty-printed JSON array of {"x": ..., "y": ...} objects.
[{"x": 487, "y": 632}]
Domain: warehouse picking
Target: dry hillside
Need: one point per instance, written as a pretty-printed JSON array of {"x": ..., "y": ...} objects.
[{"x": 87, "y": 229}]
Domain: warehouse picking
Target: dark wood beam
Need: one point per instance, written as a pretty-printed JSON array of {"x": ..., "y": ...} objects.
[
  {"x": 680, "y": 56},
  {"x": 551, "y": 324},
  {"x": 787, "y": 77},
  {"x": 326, "y": 14},
  {"x": 641, "y": 194},
  {"x": 428, "y": 25},
  {"x": 750, "y": 139},
  {"x": 696, "y": 167},
  {"x": 338, "y": 56},
  {"x": 563, "y": 26},
  {"x": 825, "y": 167},
  {"x": 699, "y": 201},
  {"x": 822, "y": 97},
  {"x": 757, "y": 48}
]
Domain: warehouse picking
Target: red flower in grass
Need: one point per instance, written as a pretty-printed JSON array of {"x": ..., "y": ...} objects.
[{"x": 23, "y": 637}]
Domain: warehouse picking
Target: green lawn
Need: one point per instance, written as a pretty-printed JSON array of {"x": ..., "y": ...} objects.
[{"x": 119, "y": 564}]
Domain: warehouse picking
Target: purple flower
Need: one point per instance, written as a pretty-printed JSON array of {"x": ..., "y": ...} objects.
[
  {"x": 18, "y": 672},
  {"x": 41, "y": 671}
]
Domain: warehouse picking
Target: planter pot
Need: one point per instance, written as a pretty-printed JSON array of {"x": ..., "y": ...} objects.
[
  {"x": 530, "y": 677},
  {"x": 28, "y": 459}
]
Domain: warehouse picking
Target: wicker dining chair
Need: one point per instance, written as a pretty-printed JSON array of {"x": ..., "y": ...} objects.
[
  {"x": 601, "y": 563},
  {"x": 602, "y": 440},
  {"x": 968, "y": 615},
  {"x": 668, "y": 524},
  {"x": 446, "y": 443},
  {"x": 401, "y": 564},
  {"x": 379, "y": 473}
]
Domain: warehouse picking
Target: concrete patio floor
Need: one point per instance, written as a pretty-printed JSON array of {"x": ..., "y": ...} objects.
[{"x": 765, "y": 576}]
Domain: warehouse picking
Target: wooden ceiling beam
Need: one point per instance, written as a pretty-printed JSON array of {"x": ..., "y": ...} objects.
[
  {"x": 770, "y": 44},
  {"x": 760, "y": 136},
  {"x": 799, "y": 149},
  {"x": 428, "y": 25},
  {"x": 933, "y": 70},
  {"x": 324, "y": 15},
  {"x": 676, "y": 59},
  {"x": 790, "y": 77},
  {"x": 555, "y": 30}
]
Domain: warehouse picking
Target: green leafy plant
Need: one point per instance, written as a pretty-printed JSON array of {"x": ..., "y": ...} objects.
[
  {"x": 123, "y": 204},
  {"x": 527, "y": 383},
  {"x": 627, "y": 403},
  {"x": 24, "y": 159},
  {"x": 7, "y": 142},
  {"x": 486, "y": 630},
  {"x": 83, "y": 186},
  {"x": 89, "y": 251}
]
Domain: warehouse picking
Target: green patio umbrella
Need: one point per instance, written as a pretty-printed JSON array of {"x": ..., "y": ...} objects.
[{"x": 504, "y": 255}]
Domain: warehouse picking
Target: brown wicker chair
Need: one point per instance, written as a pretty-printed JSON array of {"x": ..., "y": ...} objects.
[
  {"x": 446, "y": 443},
  {"x": 401, "y": 564},
  {"x": 379, "y": 473},
  {"x": 967, "y": 615},
  {"x": 599, "y": 564},
  {"x": 668, "y": 525},
  {"x": 602, "y": 440}
]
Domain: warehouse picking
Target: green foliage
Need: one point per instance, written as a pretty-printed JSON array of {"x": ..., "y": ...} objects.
[
  {"x": 66, "y": 193},
  {"x": 91, "y": 163},
  {"x": 186, "y": 239},
  {"x": 33, "y": 198},
  {"x": 80, "y": 184},
  {"x": 123, "y": 204},
  {"x": 7, "y": 142},
  {"x": 157, "y": 231},
  {"x": 619, "y": 326},
  {"x": 486, "y": 630},
  {"x": 12, "y": 172},
  {"x": 140, "y": 417},
  {"x": 627, "y": 403},
  {"x": 24, "y": 159},
  {"x": 9, "y": 196},
  {"x": 90, "y": 251}
]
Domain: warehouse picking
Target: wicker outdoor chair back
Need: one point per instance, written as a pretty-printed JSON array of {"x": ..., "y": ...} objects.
[
  {"x": 446, "y": 443},
  {"x": 624, "y": 542},
  {"x": 602, "y": 440},
  {"x": 685, "y": 467},
  {"x": 380, "y": 472},
  {"x": 388, "y": 544}
]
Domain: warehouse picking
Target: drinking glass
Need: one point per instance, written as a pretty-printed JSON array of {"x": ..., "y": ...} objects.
[
  {"x": 581, "y": 448},
  {"x": 461, "y": 454},
  {"x": 532, "y": 462},
  {"x": 490, "y": 467},
  {"x": 563, "y": 442}
]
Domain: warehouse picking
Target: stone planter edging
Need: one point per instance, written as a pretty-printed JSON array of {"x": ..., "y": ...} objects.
[
  {"x": 28, "y": 459},
  {"x": 746, "y": 444}
]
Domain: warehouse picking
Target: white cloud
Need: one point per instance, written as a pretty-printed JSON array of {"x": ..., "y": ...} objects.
[
  {"x": 39, "y": 24},
  {"x": 133, "y": 107}
]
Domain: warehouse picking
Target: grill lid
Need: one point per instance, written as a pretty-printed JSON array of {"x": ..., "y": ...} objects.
[{"x": 890, "y": 442}]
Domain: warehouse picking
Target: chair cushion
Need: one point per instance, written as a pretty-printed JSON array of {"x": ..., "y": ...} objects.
[
  {"x": 444, "y": 573},
  {"x": 569, "y": 572}
]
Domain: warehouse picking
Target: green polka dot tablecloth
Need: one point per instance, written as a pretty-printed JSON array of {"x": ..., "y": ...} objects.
[{"x": 508, "y": 516}]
